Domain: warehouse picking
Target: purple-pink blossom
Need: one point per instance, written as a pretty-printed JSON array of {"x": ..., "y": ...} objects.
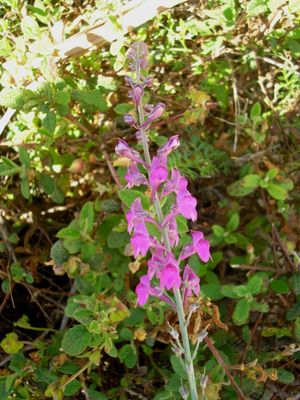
[
  {"x": 136, "y": 93},
  {"x": 136, "y": 215},
  {"x": 167, "y": 148},
  {"x": 140, "y": 241},
  {"x": 191, "y": 282},
  {"x": 158, "y": 173},
  {"x": 134, "y": 177},
  {"x": 124, "y": 150},
  {"x": 156, "y": 113},
  {"x": 186, "y": 204},
  {"x": 199, "y": 245},
  {"x": 169, "y": 275}
]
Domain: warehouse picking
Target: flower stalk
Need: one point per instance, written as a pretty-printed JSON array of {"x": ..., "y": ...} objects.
[{"x": 163, "y": 267}]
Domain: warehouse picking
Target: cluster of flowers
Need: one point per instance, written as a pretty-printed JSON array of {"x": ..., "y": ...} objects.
[{"x": 163, "y": 268}]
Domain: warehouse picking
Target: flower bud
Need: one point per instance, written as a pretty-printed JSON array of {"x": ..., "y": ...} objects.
[
  {"x": 136, "y": 94},
  {"x": 128, "y": 119}
]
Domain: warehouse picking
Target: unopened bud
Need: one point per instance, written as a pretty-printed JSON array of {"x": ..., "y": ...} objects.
[
  {"x": 183, "y": 392},
  {"x": 202, "y": 335}
]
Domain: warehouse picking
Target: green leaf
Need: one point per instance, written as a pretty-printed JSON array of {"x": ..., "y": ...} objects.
[
  {"x": 59, "y": 253},
  {"x": 256, "y": 7},
  {"x": 76, "y": 340},
  {"x": 279, "y": 286},
  {"x": 69, "y": 233},
  {"x": 271, "y": 174},
  {"x": 297, "y": 329},
  {"x": 241, "y": 312},
  {"x": 182, "y": 225},
  {"x": 255, "y": 284},
  {"x": 129, "y": 195},
  {"x": 92, "y": 98},
  {"x": 62, "y": 98},
  {"x": 49, "y": 121},
  {"x": 86, "y": 218},
  {"x": 230, "y": 238},
  {"x": 218, "y": 230},
  {"x": 213, "y": 291},
  {"x": 233, "y": 223},
  {"x": 177, "y": 366},
  {"x": 8, "y": 167},
  {"x": 293, "y": 312},
  {"x": 15, "y": 98},
  {"x": 128, "y": 355},
  {"x": 117, "y": 240},
  {"x": 276, "y": 191},
  {"x": 255, "y": 110},
  {"x": 295, "y": 282},
  {"x": 285, "y": 376},
  {"x": 30, "y": 28},
  {"x": 251, "y": 180},
  {"x": 24, "y": 157},
  {"x": 25, "y": 189},
  {"x": 243, "y": 186},
  {"x": 122, "y": 108},
  {"x": 72, "y": 388},
  {"x": 11, "y": 344},
  {"x": 94, "y": 395}
]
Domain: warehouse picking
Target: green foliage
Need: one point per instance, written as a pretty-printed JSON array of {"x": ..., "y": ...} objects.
[{"x": 228, "y": 74}]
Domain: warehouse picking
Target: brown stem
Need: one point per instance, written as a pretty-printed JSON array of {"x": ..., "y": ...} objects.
[
  {"x": 79, "y": 125},
  {"x": 221, "y": 362},
  {"x": 112, "y": 169}
]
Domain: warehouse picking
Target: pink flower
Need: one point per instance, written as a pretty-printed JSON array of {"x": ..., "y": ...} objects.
[
  {"x": 186, "y": 204},
  {"x": 158, "y": 173},
  {"x": 144, "y": 289},
  {"x": 156, "y": 113},
  {"x": 167, "y": 148},
  {"x": 176, "y": 183},
  {"x": 173, "y": 232},
  {"x": 136, "y": 94},
  {"x": 191, "y": 281},
  {"x": 169, "y": 275},
  {"x": 128, "y": 119},
  {"x": 140, "y": 241},
  {"x": 134, "y": 177},
  {"x": 136, "y": 215},
  {"x": 201, "y": 246},
  {"x": 124, "y": 150}
]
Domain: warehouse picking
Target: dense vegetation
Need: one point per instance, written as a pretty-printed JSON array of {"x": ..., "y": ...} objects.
[{"x": 229, "y": 74}]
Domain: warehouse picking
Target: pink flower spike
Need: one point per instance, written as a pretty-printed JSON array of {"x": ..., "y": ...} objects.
[
  {"x": 186, "y": 205},
  {"x": 134, "y": 177},
  {"x": 167, "y": 148},
  {"x": 201, "y": 246},
  {"x": 169, "y": 275},
  {"x": 191, "y": 281}
]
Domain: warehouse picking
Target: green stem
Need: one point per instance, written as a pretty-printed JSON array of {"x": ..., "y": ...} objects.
[{"x": 178, "y": 300}]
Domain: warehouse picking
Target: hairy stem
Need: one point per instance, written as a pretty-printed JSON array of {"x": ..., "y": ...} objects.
[{"x": 178, "y": 300}]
